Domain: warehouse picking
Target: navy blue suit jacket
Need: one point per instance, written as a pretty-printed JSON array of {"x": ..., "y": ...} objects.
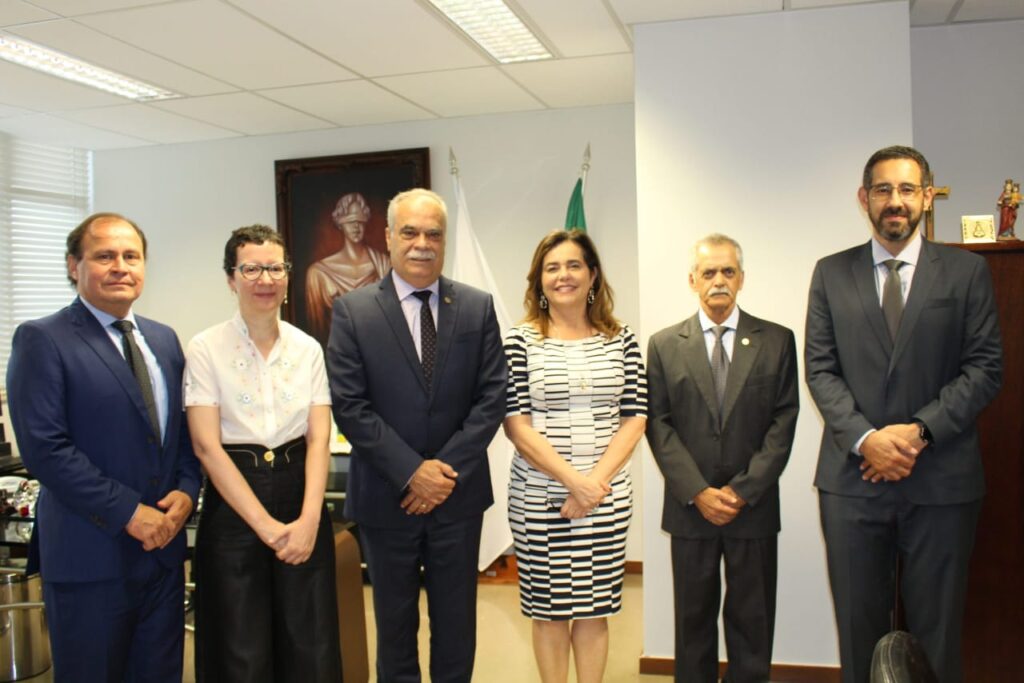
[
  {"x": 382, "y": 404},
  {"x": 83, "y": 431}
]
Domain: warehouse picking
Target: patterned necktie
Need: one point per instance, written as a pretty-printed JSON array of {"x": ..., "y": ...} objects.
[
  {"x": 428, "y": 335},
  {"x": 133, "y": 354},
  {"x": 719, "y": 366},
  {"x": 892, "y": 297}
]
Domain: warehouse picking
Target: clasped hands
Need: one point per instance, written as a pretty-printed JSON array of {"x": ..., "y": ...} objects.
[
  {"x": 585, "y": 493},
  {"x": 890, "y": 453},
  {"x": 719, "y": 506},
  {"x": 292, "y": 543},
  {"x": 157, "y": 526},
  {"x": 430, "y": 485}
]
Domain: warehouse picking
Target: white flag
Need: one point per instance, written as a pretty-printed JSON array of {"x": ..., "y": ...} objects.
[{"x": 471, "y": 268}]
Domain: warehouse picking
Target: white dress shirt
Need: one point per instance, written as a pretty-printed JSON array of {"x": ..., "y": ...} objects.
[
  {"x": 728, "y": 337},
  {"x": 261, "y": 400}
]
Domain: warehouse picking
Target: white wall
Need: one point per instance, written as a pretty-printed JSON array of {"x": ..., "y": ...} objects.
[
  {"x": 759, "y": 127},
  {"x": 517, "y": 172},
  {"x": 968, "y": 99}
]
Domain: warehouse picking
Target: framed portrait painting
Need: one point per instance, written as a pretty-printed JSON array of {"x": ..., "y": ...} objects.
[{"x": 332, "y": 214}]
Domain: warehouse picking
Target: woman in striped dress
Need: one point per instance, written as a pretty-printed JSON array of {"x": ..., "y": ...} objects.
[{"x": 577, "y": 406}]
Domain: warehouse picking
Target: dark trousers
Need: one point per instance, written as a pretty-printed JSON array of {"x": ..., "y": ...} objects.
[
  {"x": 748, "y": 612},
  {"x": 863, "y": 537},
  {"x": 126, "y": 630},
  {"x": 448, "y": 553},
  {"x": 257, "y": 618}
]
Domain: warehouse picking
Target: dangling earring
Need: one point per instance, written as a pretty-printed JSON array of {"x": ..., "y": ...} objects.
[
  {"x": 543, "y": 302},
  {"x": 590, "y": 296},
  {"x": 285, "y": 298}
]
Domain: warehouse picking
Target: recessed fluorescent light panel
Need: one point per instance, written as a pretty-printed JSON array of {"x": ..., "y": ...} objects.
[
  {"x": 56, "y": 64},
  {"x": 495, "y": 28}
]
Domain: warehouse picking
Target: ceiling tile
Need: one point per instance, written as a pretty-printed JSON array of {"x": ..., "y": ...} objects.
[
  {"x": 577, "y": 82},
  {"x": 929, "y": 12},
  {"x": 379, "y": 38},
  {"x": 987, "y": 10},
  {"x": 220, "y": 42},
  {"x": 464, "y": 92},
  {"x": 351, "y": 103},
  {"x": 638, "y": 11},
  {"x": 576, "y": 28},
  {"x": 30, "y": 89},
  {"x": 17, "y": 12},
  {"x": 71, "y": 8},
  {"x": 73, "y": 38},
  {"x": 143, "y": 121},
  {"x": 12, "y": 111},
  {"x": 56, "y": 131},
  {"x": 244, "y": 112}
]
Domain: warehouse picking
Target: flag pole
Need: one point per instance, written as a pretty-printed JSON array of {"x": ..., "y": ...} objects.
[{"x": 585, "y": 169}]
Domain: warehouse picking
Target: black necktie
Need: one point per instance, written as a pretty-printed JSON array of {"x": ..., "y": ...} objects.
[
  {"x": 892, "y": 297},
  {"x": 719, "y": 365},
  {"x": 133, "y": 354},
  {"x": 428, "y": 335}
]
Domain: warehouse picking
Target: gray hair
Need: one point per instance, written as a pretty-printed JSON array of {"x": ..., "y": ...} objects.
[
  {"x": 716, "y": 239},
  {"x": 410, "y": 195}
]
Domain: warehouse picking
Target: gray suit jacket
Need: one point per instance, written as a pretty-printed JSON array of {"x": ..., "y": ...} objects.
[
  {"x": 382, "y": 404},
  {"x": 945, "y": 366},
  {"x": 751, "y": 448}
]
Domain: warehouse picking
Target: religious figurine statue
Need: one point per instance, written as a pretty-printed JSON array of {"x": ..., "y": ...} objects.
[
  {"x": 1008, "y": 202},
  {"x": 355, "y": 265}
]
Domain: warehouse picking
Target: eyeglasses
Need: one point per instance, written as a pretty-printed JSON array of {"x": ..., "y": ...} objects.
[
  {"x": 884, "y": 190},
  {"x": 254, "y": 271}
]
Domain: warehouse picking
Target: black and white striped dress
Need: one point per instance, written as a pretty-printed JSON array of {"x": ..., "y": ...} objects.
[{"x": 575, "y": 393}]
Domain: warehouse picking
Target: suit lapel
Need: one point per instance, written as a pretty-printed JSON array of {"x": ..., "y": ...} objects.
[
  {"x": 447, "y": 314},
  {"x": 924, "y": 276},
  {"x": 387, "y": 298},
  {"x": 695, "y": 355},
  {"x": 863, "y": 271},
  {"x": 745, "y": 347},
  {"x": 93, "y": 334}
]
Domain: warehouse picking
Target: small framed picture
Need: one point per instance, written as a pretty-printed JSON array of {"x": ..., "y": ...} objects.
[{"x": 978, "y": 229}]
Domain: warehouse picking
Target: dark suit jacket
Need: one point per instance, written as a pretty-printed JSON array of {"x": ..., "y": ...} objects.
[
  {"x": 382, "y": 404},
  {"x": 945, "y": 366},
  {"x": 751, "y": 448},
  {"x": 83, "y": 431}
]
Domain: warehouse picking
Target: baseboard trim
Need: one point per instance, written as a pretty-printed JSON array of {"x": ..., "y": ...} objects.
[
  {"x": 634, "y": 567},
  {"x": 781, "y": 673}
]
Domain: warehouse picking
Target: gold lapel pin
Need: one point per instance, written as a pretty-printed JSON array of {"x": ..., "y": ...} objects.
[
  {"x": 447, "y": 299},
  {"x": 745, "y": 341}
]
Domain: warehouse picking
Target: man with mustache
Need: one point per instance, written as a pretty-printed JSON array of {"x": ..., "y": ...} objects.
[
  {"x": 723, "y": 400},
  {"x": 417, "y": 376},
  {"x": 902, "y": 353}
]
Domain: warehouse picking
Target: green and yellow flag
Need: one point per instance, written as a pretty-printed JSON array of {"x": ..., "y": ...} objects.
[{"x": 575, "y": 219}]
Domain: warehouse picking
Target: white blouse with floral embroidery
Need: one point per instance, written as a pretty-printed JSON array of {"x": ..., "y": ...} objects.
[{"x": 264, "y": 401}]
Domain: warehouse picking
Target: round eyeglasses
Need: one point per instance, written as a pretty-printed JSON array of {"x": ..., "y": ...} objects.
[
  {"x": 885, "y": 190},
  {"x": 254, "y": 271}
]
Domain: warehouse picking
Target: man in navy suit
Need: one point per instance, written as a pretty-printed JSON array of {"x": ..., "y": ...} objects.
[
  {"x": 417, "y": 377},
  {"x": 902, "y": 353},
  {"x": 112, "y": 452}
]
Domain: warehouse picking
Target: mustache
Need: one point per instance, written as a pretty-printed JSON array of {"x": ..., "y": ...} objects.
[
  {"x": 902, "y": 212},
  {"x": 720, "y": 290},
  {"x": 422, "y": 254}
]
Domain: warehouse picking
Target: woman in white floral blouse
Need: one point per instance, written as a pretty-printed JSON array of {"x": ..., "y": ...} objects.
[{"x": 259, "y": 413}]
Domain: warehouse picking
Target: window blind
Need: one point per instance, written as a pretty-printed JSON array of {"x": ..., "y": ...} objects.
[{"x": 45, "y": 192}]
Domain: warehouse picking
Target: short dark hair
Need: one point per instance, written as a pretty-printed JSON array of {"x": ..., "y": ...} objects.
[
  {"x": 73, "y": 245},
  {"x": 897, "y": 152},
  {"x": 249, "y": 234}
]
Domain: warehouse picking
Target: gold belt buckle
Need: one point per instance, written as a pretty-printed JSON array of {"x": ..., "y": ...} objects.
[{"x": 269, "y": 457}]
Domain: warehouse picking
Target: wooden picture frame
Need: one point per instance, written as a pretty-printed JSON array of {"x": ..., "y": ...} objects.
[{"x": 314, "y": 196}]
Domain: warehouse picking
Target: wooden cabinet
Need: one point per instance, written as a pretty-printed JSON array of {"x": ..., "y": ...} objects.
[{"x": 993, "y": 643}]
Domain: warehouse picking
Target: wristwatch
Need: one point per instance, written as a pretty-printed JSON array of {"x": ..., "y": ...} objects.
[{"x": 923, "y": 432}]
